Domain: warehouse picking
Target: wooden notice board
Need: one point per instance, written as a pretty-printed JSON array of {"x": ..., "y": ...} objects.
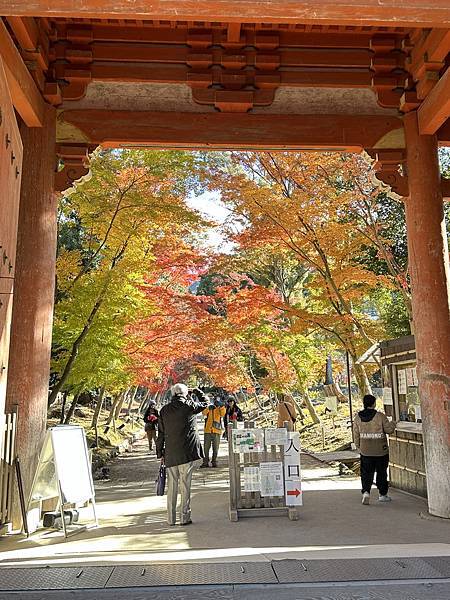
[{"x": 264, "y": 478}]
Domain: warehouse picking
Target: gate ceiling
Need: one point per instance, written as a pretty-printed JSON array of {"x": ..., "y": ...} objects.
[{"x": 310, "y": 74}]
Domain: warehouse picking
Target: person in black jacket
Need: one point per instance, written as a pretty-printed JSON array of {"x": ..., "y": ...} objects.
[
  {"x": 151, "y": 423},
  {"x": 178, "y": 446},
  {"x": 234, "y": 413}
]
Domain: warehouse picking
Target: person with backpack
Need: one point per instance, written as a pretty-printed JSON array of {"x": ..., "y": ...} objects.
[
  {"x": 151, "y": 424},
  {"x": 213, "y": 430},
  {"x": 370, "y": 430},
  {"x": 179, "y": 448},
  {"x": 286, "y": 412}
]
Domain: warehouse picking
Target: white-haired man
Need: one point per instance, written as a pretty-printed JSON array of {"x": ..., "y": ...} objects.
[{"x": 179, "y": 447}]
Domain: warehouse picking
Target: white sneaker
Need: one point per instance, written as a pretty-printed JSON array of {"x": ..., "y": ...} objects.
[
  {"x": 365, "y": 498},
  {"x": 384, "y": 498}
]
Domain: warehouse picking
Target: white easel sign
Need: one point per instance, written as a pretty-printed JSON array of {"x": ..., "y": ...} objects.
[
  {"x": 292, "y": 472},
  {"x": 64, "y": 471}
]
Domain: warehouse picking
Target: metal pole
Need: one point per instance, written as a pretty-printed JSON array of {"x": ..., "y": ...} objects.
[{"x": 349, "y": 387}]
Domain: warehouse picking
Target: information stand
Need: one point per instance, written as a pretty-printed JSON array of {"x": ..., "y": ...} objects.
[
  {"x": 63, "y": 472},
  {"x": 265, "y": 476}
]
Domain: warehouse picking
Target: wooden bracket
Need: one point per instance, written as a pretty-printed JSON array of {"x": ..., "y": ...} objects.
[
  {"x": 388, "y": 68},
  {"x": 389, "y": 169},
  {"x": 75, "y": 165},
  {"x": 236, "y": 75}
]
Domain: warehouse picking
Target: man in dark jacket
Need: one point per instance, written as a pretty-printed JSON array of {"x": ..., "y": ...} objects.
[
  {"x": 369, "y": 431},
  {"x": 178, "y": 446}
]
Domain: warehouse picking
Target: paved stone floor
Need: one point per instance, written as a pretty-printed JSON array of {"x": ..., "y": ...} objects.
[
  {"x": 387, "y": 591},
  {"x": 333, "y": 525}
]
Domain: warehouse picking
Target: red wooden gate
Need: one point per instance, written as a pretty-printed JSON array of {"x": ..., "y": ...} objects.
[{"x": 10, "y": 176}]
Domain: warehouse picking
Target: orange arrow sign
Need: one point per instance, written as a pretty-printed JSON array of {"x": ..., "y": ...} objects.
[{"x": 295, "y": 492}]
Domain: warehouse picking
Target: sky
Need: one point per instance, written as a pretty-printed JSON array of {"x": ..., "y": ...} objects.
[{"x": 210, "y": 205}]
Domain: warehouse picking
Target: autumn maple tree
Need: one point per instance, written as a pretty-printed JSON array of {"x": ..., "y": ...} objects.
[
  {"x": 113, "y": 228},
  {"x": 300, "y": 203}
]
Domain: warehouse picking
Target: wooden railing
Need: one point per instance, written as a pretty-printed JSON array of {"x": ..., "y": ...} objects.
[{"x": 8, "y": 425}]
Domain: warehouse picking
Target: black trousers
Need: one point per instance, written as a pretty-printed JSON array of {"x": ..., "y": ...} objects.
[{"x": 371, "y": 465}]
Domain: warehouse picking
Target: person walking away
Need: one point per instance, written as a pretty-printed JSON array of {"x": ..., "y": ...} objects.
[
  {"x": 233, "y": 413},
  {"x": 370, "y": 431},
  {"x": 151, "y": 424},
  {"x": 287, "y": 412},
  {"x": 214, "y": 414},
  {"x": 178, "y": 446}
]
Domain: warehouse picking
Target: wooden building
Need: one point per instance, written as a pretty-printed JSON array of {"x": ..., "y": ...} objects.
[
  {"x": 339, "y": 75},
  {"x": 402, "y": 401}
]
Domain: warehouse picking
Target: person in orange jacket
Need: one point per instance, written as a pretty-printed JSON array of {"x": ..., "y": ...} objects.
[{"x": 213, "y": 430}]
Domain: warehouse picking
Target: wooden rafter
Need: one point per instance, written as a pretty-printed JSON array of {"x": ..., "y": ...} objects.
[
  {"x": 410, "y": 13},
  {"x": 26, "y": 97},
  {"x": 26, "y": 31}
]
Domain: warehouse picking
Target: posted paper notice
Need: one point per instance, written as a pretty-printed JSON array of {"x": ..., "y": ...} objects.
[
  {"x": 251, "y": 479},
  {"x": 276, "y": 437},
  {"x": 272, "y": 483}
]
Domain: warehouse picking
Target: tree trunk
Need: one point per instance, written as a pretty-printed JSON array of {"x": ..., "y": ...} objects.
[
  {"x": 98, "y": 408},
  {"x": 72, "y": 408},
  {"x": 338, "y": 392},
  {"x": 113, "y": 408},
  {"x": 133, "y": 395},
  {"x": 300, "y": 412},
  {"x": 121, "y": 403},
  {"x": 361, "y": 378},
  {"x": 263, "y": 412},
  {"x": 63, "y": 407},
  {"x": 118, "y": 401},
  {"x": 312, "y": 411}
]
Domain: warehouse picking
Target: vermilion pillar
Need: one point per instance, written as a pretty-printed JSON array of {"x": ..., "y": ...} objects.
[
  {"x": 430, "y": 280},
  {"x": 34, "y": 285}
]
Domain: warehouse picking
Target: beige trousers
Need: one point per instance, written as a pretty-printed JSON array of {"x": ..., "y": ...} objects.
[{"x": 179, "y": 477}]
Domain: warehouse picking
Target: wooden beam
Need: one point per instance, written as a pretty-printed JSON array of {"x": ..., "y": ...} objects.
[
  {"x": 222, "y": 130},
  {"x": 435, "y": 46},
  {"x": 183, "y": 54},
  {"x": 389, "y": 13},
  {"x": 25, "y": 95},
  {"x": 27, "y": 34},
  {"x": 443, "y": 134},
  {"x": 102, "y": 32},
  {"x": 435, "y": 109}
]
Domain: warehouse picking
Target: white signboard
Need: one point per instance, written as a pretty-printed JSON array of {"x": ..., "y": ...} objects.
[
  {"x": 63, "y": 470},
  {"x": 271, "y": 474},
  {"x": 387, "y": 396},
  {"x": 418, "y": 412},
  {"x": 252, "y": 481},
  {"x": 72, "y": 463},
  {"x": 331, "y": 403},
  {"x": 292, "y": 472},
  {"x": 401, "y": 378},
  {"x": 276, "y": 437},
  {"x": 248, "y": 440}
]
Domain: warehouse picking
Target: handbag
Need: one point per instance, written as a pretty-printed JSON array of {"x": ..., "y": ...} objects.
[{"x": 161, "y": 481}]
